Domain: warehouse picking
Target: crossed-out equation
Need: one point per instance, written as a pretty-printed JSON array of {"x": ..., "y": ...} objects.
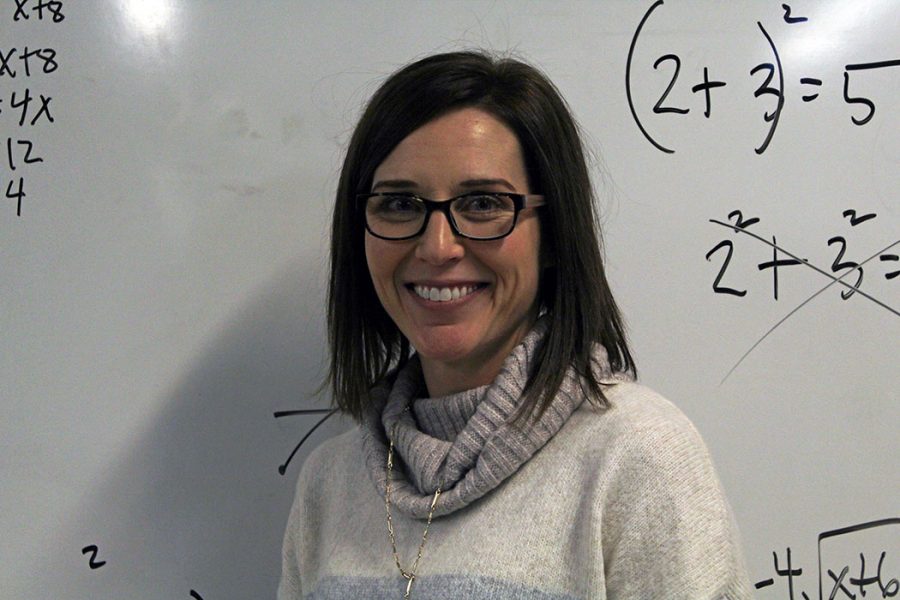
[
  {"x": 887, "y": 265},
  {"x": 844, "y": 273}
]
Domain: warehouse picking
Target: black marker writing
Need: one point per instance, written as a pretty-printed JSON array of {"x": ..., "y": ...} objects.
[
  {"x": 774, "y": 116},
  {"x": 658, "y": 108},
  {"x": 844, "y": 580},
  {"x": 705, "y": 87},
  {"x": 856, "y": 220},
  {"x": 25, "y": 153},
  {"x": 25, "y": 59},
  {"x": 858, "y": 99},
  {"x": 92, "y": 560},
  {"x": 95, "y": 564},
  {"x": 790, "y": 19},
  {"x": 27, "y": 105},
  {"x": 810, "y": 81},
  {"x": 890, "y": 258},
  {"x": 739, "y": 224},
  {"x": 628, "y": 66},
  {"x": 787, "y": 572},
  {"x": 775, "y": 263},
  {"x": 24, "y": 101},
  {"x": 51, "y": 9},
  {"x": 282, "y": 469},
  {"x": 889, "y": 588},
  {"x": 791, "y": 313},
  {"x": 771, "y": 84},
  {"x": 837, "y": 265}
]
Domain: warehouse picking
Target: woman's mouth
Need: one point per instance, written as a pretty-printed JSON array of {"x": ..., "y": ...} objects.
[{"x": 445, "y": 294}]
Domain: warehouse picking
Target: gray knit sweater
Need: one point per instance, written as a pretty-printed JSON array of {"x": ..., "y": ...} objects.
[{"x": 614, "y": 504}]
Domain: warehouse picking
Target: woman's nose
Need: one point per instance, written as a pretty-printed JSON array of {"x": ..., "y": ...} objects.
[{"x": 438, "y": 244}]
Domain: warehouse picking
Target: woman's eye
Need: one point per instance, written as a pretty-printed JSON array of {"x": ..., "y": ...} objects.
[
  {"x": 398, "y": 204},
  {"x": 481, "y": 203}
]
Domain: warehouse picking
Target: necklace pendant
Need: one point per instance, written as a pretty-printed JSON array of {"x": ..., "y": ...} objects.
[{"x": 409, "y": 583}]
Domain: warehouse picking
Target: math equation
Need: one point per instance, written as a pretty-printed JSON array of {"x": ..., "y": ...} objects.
[
  {"x": 852, "y": 563},
  {"x": 24, "y": 106},
  {"x": 843, "y": 271},
  {"x": 847, "y": 269},
  {"x": 769, "y": 96}
]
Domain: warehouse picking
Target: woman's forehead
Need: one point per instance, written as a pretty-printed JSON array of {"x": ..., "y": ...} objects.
[{"x": 464, "y": 146}]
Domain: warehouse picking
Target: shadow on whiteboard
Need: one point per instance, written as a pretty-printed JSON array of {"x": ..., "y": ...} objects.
[{"x": 196, "y": 508}]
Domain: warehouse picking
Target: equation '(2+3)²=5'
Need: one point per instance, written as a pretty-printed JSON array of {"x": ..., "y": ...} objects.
[{"x": 767, "y": 88}]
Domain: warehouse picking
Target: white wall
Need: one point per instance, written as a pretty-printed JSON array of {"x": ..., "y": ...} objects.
[{"x": 161, "y": 294}]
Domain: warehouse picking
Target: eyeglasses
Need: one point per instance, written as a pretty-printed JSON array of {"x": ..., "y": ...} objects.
[{"x": 476, "y": 215}]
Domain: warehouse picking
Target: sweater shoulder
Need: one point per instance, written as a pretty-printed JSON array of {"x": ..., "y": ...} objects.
[
  {"x": 638, "y": 417},
  {"x": 663, "y": 511},
  {"x": 643, "y": 446},
  {"x": 640, "y": 443},
  {"x": 333, "y": 458}
]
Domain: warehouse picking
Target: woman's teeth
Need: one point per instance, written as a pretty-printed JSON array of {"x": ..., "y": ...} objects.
[{"x": 444, "y": 294}]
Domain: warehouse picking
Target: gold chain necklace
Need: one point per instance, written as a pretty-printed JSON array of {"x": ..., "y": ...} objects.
[{"x": 410, "y": 575}]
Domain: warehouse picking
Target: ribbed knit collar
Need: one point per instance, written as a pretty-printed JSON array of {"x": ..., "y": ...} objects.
[
  {"x": 446, "y": 416},
  {"x": 461, "y": 443}
]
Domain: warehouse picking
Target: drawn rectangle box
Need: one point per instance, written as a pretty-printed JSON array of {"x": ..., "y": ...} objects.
[{"x": 860, "y": 561}]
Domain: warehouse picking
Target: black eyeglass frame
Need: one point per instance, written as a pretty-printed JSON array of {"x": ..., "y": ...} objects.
[{"x": 520, "y": 203}]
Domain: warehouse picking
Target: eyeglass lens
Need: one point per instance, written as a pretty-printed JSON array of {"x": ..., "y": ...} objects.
[{"x": 475, "y": 215}]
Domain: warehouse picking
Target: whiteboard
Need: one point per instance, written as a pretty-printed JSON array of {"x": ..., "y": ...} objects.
[{"x": 162, "y": 278}]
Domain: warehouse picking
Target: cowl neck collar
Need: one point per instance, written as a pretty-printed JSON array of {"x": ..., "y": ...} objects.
[{"x": 467, "y": 447}]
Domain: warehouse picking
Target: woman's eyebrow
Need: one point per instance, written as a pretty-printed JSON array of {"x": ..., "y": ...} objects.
[
  {"x": 394, "y": 183},
  {"x": 480, "y": 183},
  {"x": 467, "y": 184}
]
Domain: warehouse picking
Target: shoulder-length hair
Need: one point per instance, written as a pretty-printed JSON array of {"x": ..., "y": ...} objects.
[{"x": 365, "y": 343}]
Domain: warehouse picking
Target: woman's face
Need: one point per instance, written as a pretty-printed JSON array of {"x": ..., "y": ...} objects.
[{"x": 462, "y": 151}]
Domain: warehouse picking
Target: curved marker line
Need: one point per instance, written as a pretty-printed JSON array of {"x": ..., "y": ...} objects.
[
  {"x": 637, "y": 120},
  {"x": 814, "y": 267},
  {"x": 801, "y": 305},
  {"x": 291, "y": 413},
  {"x": 778, "y": 108},
  {"x": 283, "y": 468}
]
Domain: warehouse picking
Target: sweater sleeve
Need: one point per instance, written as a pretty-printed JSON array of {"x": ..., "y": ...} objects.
[
  {"x": 668, "y": 529},
  {"x": 289, "y": 587}
]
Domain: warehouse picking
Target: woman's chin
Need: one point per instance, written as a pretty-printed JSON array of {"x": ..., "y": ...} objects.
[{"x": 446, "y": 345}]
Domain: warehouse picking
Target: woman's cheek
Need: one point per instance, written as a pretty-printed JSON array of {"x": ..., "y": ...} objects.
[{"x": 382, "y": 260}]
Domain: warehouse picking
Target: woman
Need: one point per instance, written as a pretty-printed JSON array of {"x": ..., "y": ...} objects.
[{"x": 503, "y": 449}]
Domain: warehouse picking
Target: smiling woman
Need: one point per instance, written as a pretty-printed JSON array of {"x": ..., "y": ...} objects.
[
  {"x": 475, "y": 340},
  {"x": 461, "y": 342}
]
